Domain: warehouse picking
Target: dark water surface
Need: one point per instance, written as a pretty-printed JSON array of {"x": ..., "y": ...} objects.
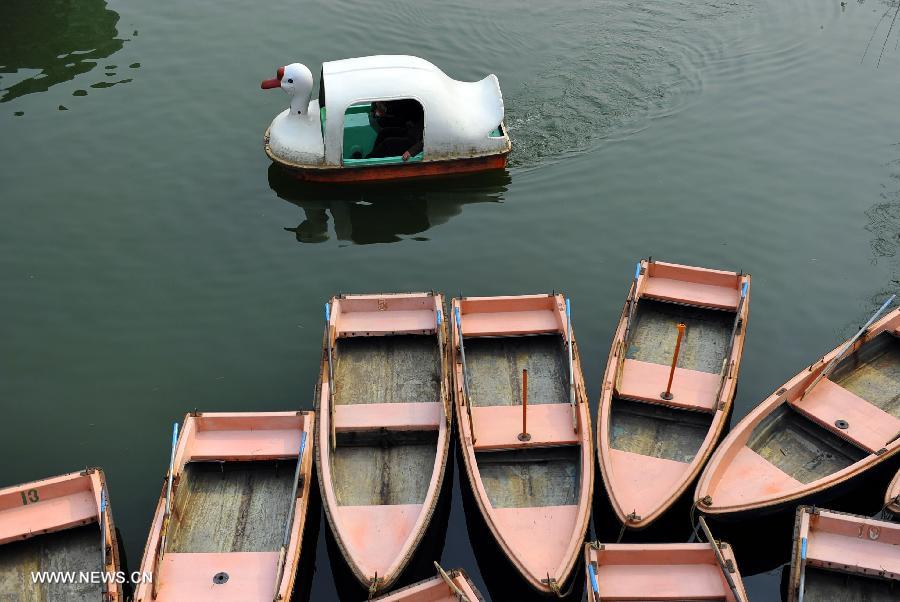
[{"x": 151, "y": 262}]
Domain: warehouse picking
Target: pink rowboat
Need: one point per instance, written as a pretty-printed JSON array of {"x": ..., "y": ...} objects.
[
  {"x": 44, "y": 529},
  {"x": 384, "y": 429},
  {"x": 532, "y": 482},
  {"x": 662, "y": 571},
  {"x": 829, "y": 424},
  {"x": 229, "y": 523},
  {"x": 454, "y": 586},
  {"x": 652, "y": 446},
  {"x": 838, "y": 556},
  {"x": 892, "y": 496}
]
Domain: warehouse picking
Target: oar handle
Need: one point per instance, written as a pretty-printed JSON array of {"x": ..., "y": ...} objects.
[{"x": 721, "y": 559}]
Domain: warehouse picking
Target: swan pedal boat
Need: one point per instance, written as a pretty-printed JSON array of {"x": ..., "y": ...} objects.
[
  {"x": 664, "y": 572},
  {"x": 839, "y": 556},
  {"x": 812, "y": 437},
  {"x": 384, "y": 430},
  {"x": 533, "y": 489},
  {"x": 652, "y": 449},
  {"x": 233, "y": 531},
  {"x": 326, "y": 139},
  {"x": 51, "y": 525}
]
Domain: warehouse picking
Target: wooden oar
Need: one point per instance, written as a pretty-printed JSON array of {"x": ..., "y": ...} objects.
[
  {"x": 571, "y": 365},
  {"x": 595, "y": 586},
  {"x": 734, "y": 328},
  {"x": 633, "y": 302},
  {"x": 290, "y": 518},
  {"x": 721, "y": 559},
  {"x": 462, "y": 356},
  {"x": 103, "y": 587},
  {"x": 833, "y": 363},
  {"x": 440, "y": 337},
  {"x": 802, "y": 585},
  {"x": 453, "y": 587},
  {"x": 164, "y": 531},
  {"x": 333, "y": 434}
]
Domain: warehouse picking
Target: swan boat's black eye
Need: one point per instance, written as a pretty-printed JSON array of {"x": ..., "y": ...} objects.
[{"x": 290, "y": 81}]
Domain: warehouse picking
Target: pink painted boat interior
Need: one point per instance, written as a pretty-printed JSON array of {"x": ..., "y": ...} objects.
[
  {"x": 534, "y": 489},
  {"x": 892, "y": 496},
  {"x": 436, "y": 590},
  {"x": 232, "y": 502},
  {"x": 846, "y": 556},
  {"x": 652, "y": 449},
  {"x": 672, "y": 571},
  {"x": 384, "y": 432},
  {"x": 55, "y": 511},
  {"x": 849, "y": 421}
]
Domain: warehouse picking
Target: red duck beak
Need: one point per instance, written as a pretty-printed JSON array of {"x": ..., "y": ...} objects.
[{"x": 268, "y": 84}]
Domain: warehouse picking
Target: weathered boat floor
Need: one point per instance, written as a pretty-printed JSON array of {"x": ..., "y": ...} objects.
[
  {"x": 374, "y": 469},
  {"x": 873, "y": 373},
  {"x": 388, "y": 369},
  {"x": 495, "y": 369},
  {"x": 705, "y": 342},
  {"x": 231, "y": 506},
  {"x": 75, "y": 549},
  {"x": 828, "y": 586},
  {"x": 531, "y": 477},
  {"x": 656, "y": 430},
  {"x": 801, "y": 448}
]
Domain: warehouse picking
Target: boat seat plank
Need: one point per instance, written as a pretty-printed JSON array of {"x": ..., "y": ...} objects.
[
  {"x": 510, "y": 323},
  {"x": 870, "y": 427},
  {"x": 692, "y": 293},
  {"x": 661, "y": 582},
  {"x": 389, "y": 416},
  {"x": 376, "y": 535},
  {"x": 691, "y": 389},
  {"x": 263, "y": 444},
  {"x": 753, "y": 477},
  {"x": 537, "y": 536},
  {"x": 498, "y": 427},
  {"x": 409, "y": 321},
  {"x": 189, "y": 576},
  {"x": 860, "y": 552},
  {"x": 48, "y": 515}
]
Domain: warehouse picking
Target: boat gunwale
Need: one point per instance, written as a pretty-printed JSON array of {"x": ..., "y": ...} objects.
[
  {"x": 97, "y": 480},
  {"x": 398, "y": 594},
  {"x": 183, "y": 446},
  {"x": 467, "y": 448},
  {"x": 720, "y": 416},
  {"x": 802, "y": 528},
  {"x": 591, "y": 548},
  {"x": 741, "y": 432},
  {"x": 323, "y": 443}
]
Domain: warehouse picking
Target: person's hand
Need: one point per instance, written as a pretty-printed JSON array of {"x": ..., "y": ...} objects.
[{"x": 406, "y": 155}]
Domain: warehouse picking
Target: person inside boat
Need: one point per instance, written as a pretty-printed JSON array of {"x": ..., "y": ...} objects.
[{"x": 400, "y": 128}]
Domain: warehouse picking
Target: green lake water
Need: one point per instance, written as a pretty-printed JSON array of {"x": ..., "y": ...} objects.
[{"x": 152, "y": 262}]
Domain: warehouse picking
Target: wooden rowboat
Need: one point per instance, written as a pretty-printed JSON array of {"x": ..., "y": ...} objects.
[
  {"x": 662, "y": 571},
  {"x": 829, "y": 424},
  {"x": 532, "y": 482},
  {"x": 230, "y": 519},
  {"x": 51, "y": 526},
  {"x": 892, "y": 496},
  {"x": 838, "y": 556},
  {"x": 452, "y": 586},
  {"x": 652, "y": 446},
  {"x": 384, "y": 429}
]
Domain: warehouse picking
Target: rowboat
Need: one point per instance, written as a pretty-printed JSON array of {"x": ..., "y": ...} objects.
[
  {"x": 659, "y": 418},
  {"x": 385, "y": 117},
  {"x": 838, "y": 556},
  {"x": 524, "y": 428},
  {"x": 230, "y": 519},
  {"x": 50, "y": 527},
  {"x": 892, "y": 496},
  {"x": 384, "y": 429},
  {"x": 810, "y": 439},
  {"x": 662, "y": 571},
  {"x": 452, "y": 586}
]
